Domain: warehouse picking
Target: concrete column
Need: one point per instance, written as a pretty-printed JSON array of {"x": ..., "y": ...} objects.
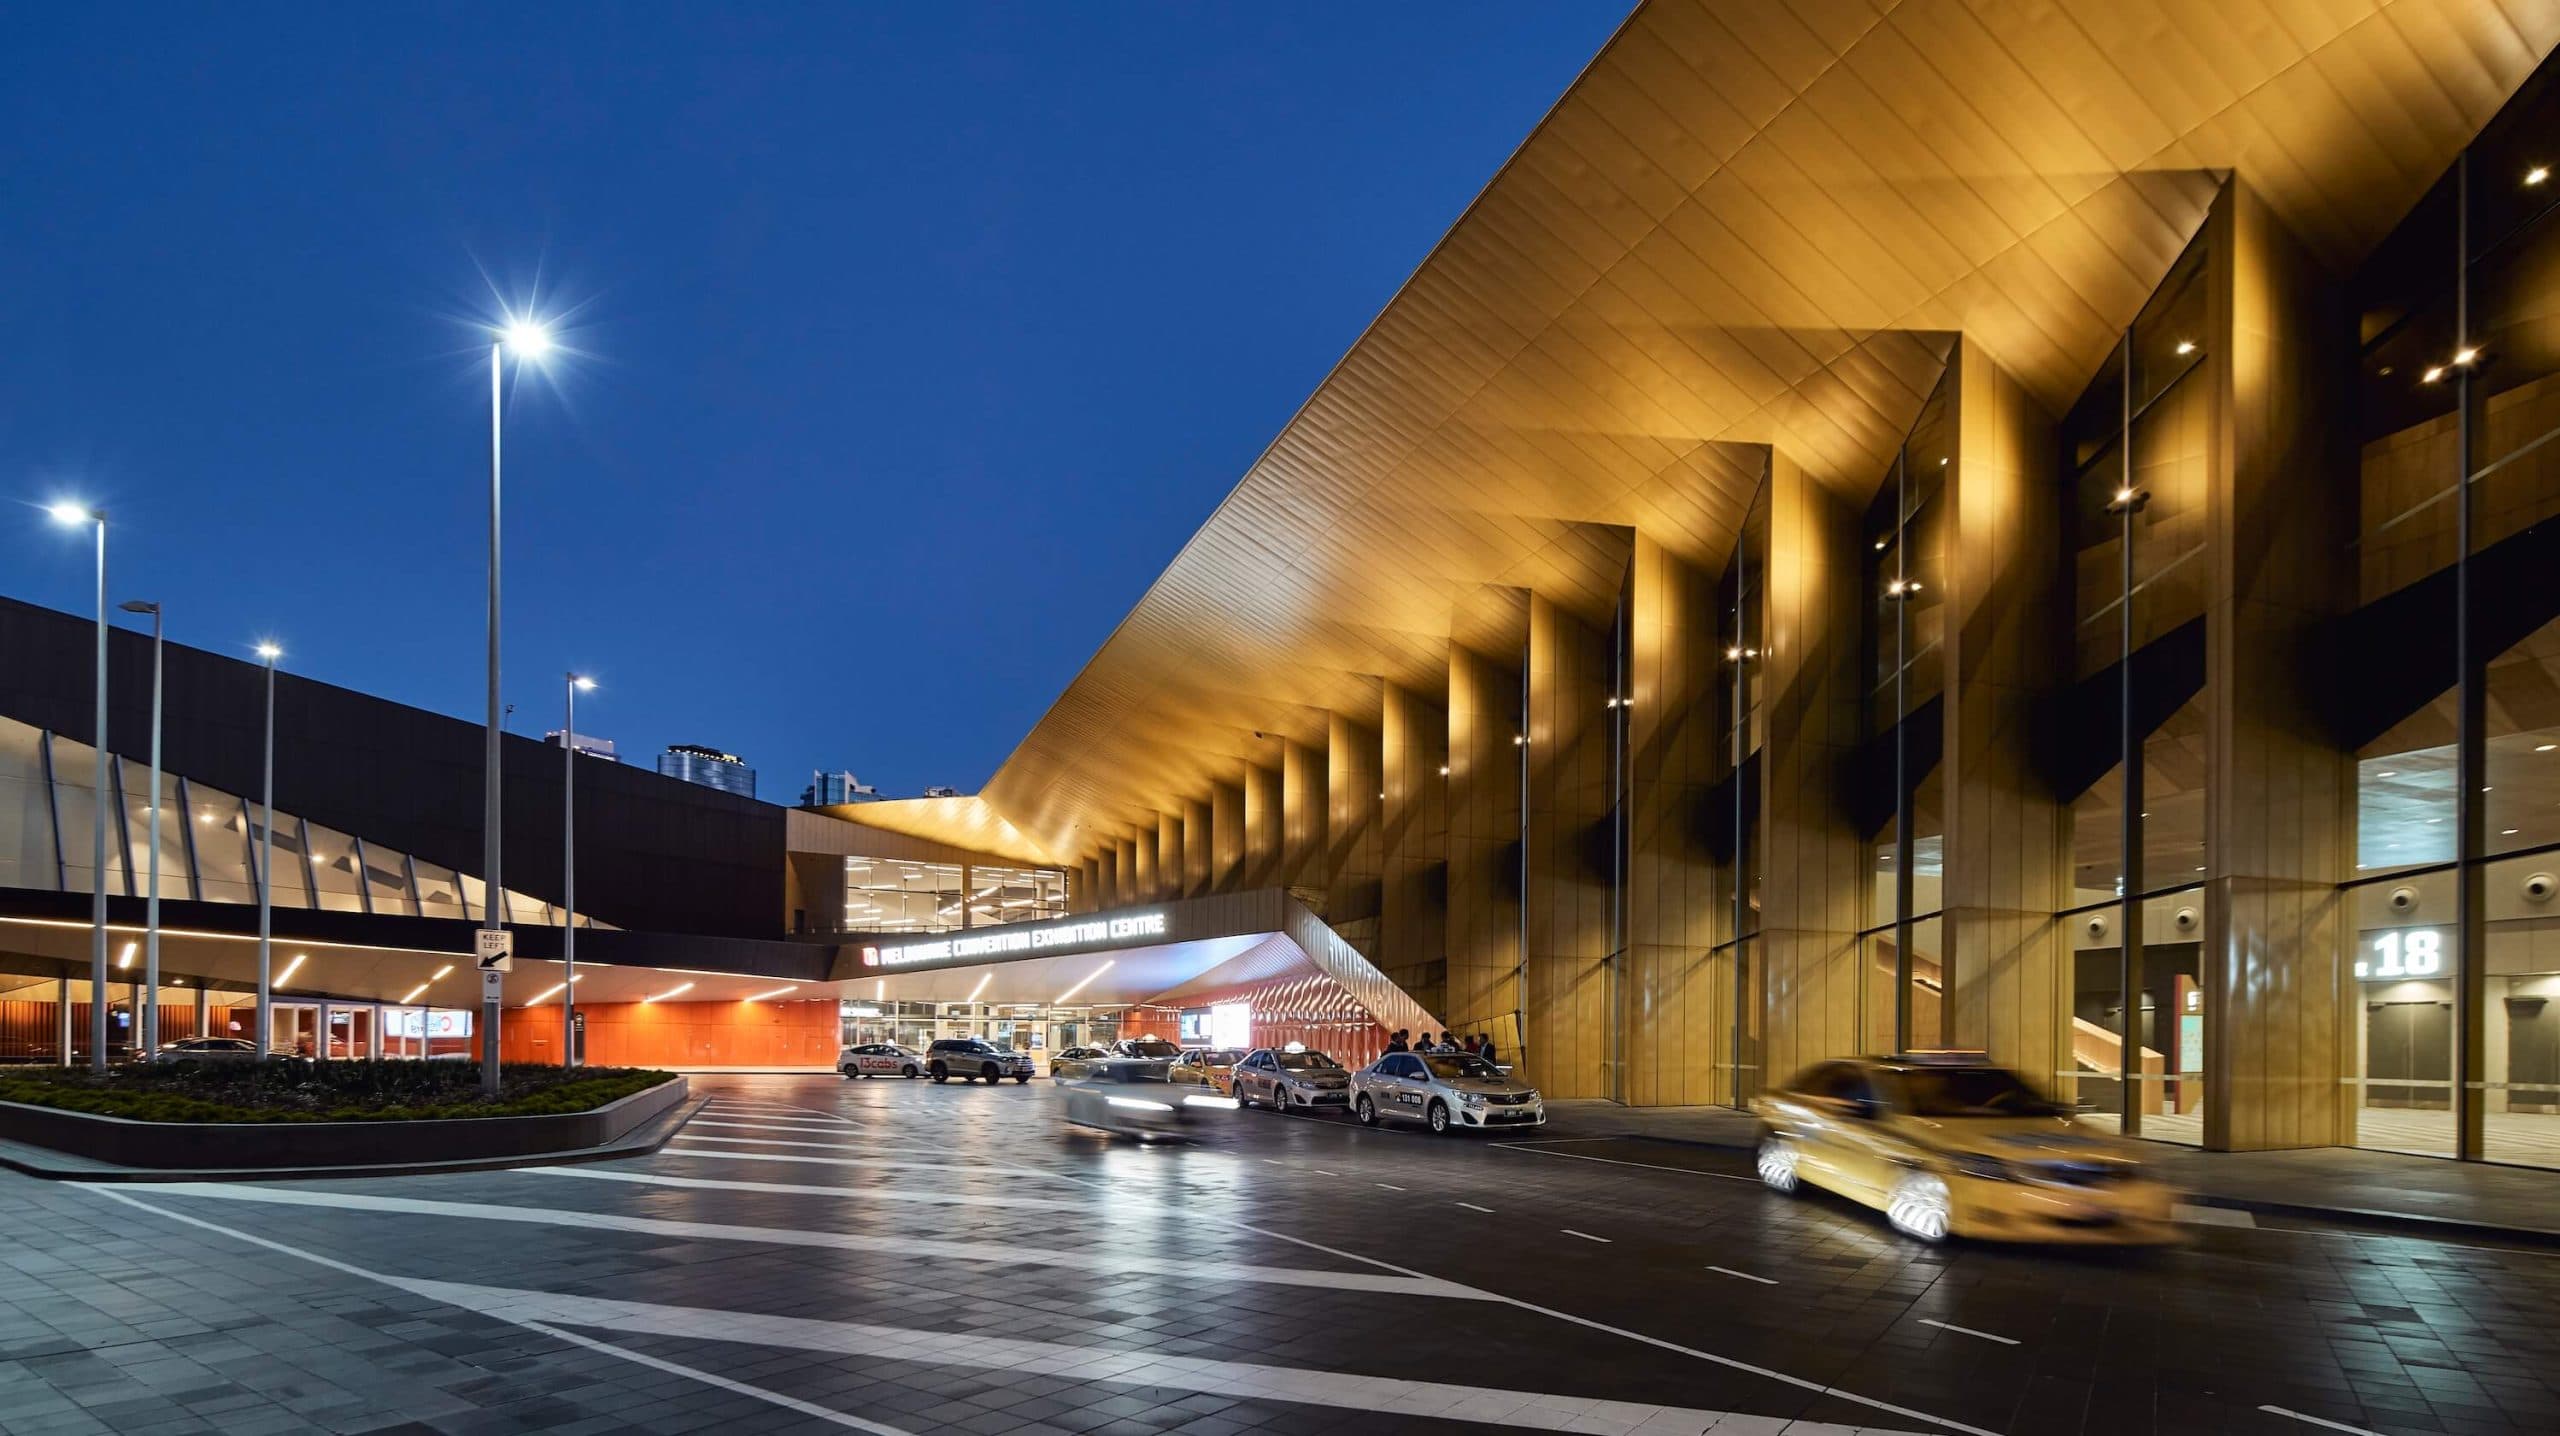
[
  {"x": 2280, "y": 1004},
  {"x": 1483, "y": 935},
  {"x": 1199, "y": 847},
  {"x": 1226, "y": 828},
  {"x": 2007, "y": 853},
  {"x": 1351, "y": 829},
  {"x": 1169, "y": 864},
  {"x": 1678, "y": 1011},
  {"x": 1264, "y": 826},
  {"x": 1569, "y": 1051},
  {"x": 1305, "y": 805},
  {"x": 1413, "y": 866},
  {"x": 1807, "y": 953}
]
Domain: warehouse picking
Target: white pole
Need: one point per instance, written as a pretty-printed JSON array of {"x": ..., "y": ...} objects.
[
  {"x": 98, "y": 835},
  {"x": 265, "y": 1034},
  {"x": 151, "y": 922},
  {"x": 493, "y": 892},
  {"x": 569, "y": 877}
]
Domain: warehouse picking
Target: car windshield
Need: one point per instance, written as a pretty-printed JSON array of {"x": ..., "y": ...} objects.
[
  {"x": 1222, "y": 1057},
  {"x": 1971, "y": 1092},
  {"x": 1475, "y": 1068},
  {"x": 1306, "y": 1061},
  {"x": 1153, "y": 1047}
]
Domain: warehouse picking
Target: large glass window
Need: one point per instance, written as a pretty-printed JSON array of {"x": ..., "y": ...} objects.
[
  {"x": 27, "y": 858},
  {"x": 137, "y": 831},
  {"x": 75, "y": 809},
  {"x": 1002, "y": 895},
  {"x": 892, "y": 895},
  {"x": 333, "y": 869}
]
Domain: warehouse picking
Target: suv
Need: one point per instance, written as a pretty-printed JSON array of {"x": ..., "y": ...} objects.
[{"x": 968, "y": 1057}]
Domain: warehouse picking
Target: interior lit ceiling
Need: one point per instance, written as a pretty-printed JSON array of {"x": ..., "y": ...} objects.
[{"x": 1747, "y": 224}]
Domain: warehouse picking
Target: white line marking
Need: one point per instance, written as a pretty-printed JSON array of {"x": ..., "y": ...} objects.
[
  {"x": 1233, "y": 1379},
  {"x": 1746, "y": 1276},
  {"x": 398, "y": 1284},
  {"x": 1390, "y": 1186},
  {"x": 804, "y": 1130},
  {"x": 837, "y": 1241},
  {"x": 1967, "y": 1331},
  {"x": 1321, "y": 1172},
  {"x": 787, "y": 1403},
  {"x": 892, "y": 1163},
  {"x": 2316, "y": 1421},
  {"x": 1615, "y": 1162},
  {"x": 1273, "y": 1162},
  {"x": 1586, "y": 1236},
  {"x": 2210, "y": 1216},
  {"x": 1556, "y": 1141},
  {"x": 872, "y": 1193},
  {"x": 1470, "y": 1206}
]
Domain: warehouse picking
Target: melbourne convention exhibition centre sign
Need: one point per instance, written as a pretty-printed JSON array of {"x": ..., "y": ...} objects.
[{"x": 1018, "y": 940}]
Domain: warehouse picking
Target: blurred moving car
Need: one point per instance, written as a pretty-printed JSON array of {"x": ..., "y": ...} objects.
[
  {"x": 211, "y": 1049},
  {"x": 1949, "y": 1144},
  {"x": 1209, "y": 1067},
  {"x": 1131, "y": 1059},
  {"x": 1444, "y": 1091},
  {"x": 1287, "y": 1079},
  {"x": 880, "y": 1059},
  {"x": 1142, "y": 1104},
  {"x": 975, "y": 1057}
]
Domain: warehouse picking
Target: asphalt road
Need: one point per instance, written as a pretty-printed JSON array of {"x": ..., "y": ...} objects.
[{"x": 888, "y": 1256}]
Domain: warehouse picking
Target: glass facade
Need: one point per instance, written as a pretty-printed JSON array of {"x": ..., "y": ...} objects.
[
  {"x": 209, "y": 843},
  {"x": 899, "y": 895},
  {"x": 2455, "y": 691}
]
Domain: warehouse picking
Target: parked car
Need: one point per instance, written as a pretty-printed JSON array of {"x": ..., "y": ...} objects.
[
  {"x": 1444, "y": 1091},
  {"x": 1286, "y": 1080},
  {"x": 975, "y": 1057},
  {"x": 1208, "y": 1067},
  {"x": 1949, "y": 1144},
  {"x": 1131, "y": 1059},
  {"x": 880, "y": 1059}
]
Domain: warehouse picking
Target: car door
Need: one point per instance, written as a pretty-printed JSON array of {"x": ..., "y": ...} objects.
[{"x": 1408, "y": 1085}]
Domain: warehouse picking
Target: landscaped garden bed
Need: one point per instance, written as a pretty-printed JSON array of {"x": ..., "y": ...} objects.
[{"x": 291, "y": 1091}]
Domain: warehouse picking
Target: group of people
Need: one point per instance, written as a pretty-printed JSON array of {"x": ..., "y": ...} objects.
[{"x": 1477, "y": 1046}]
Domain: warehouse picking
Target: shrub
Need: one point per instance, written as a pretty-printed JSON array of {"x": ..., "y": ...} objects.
[{"x": 289, "y": 1091}]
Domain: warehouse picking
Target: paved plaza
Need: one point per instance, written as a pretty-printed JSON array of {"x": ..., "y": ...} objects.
[{"x": 810, "y": 1254}]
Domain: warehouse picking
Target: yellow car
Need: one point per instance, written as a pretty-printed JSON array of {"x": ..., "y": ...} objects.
[
  {"x": 1210, "y": 1067},
  {"x": 1947, "y": 1144}
]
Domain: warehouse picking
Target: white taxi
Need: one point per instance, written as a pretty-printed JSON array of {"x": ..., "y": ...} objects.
[{"x": 879, "y": 1059}]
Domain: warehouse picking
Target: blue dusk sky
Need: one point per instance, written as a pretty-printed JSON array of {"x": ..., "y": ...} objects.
[{"x": 908, "y": 342}]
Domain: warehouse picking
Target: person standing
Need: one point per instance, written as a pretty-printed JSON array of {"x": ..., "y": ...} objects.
[
  {"x": 1395, "y": 1041},
  {"x": 1484, "y": 1048}
]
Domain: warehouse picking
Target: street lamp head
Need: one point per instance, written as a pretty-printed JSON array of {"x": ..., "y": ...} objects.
[
  {"x": 529, "y": 338},
  {"x": 139, "y": 605},
  {"x": 582, "y": 683},
  {"x": 67, "y": 512},
  {"x": 270, "y": 652}
]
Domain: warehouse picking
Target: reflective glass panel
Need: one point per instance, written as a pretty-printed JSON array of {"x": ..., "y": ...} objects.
[
  {"x": 290, "y": 885},
  {"x": 218, "y": 826},
  {"x": 26, "y": 811},
  {"x": 333, "y": 869},
  {"x": 386, "y": 881},
  {"x": 75, "y": 801},
  {"x": 2522, "y": 1030},
  {"x": 2406, "y": 955},
  {"x": 137, "y": 831},
  {"x": 439, "y": 891}
]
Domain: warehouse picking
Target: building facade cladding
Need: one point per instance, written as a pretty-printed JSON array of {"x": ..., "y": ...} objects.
[
  {"x": 2192, "y": 745},
  {"x": 709, "y": 768}
]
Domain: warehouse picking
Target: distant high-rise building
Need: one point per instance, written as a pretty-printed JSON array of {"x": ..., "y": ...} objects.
[
  {"x": 829, "y": 789},
  {"x": 710, "y": 767},
  {"x": 587, "y": 743},
  {"x": 939, "y": 791}
]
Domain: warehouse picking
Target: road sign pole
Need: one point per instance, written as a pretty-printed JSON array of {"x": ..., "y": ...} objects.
[{"x": 495, "y": 948}]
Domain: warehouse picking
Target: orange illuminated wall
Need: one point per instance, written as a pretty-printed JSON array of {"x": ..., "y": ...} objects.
[{"x": 682, "y": 1034}]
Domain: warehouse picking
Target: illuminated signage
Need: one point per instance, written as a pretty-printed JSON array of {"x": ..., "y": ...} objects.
[
  {"x": 410, "y": 1022},
  {"x": 1017, "y": 940},
  {"x": 2400, "y": 953}
]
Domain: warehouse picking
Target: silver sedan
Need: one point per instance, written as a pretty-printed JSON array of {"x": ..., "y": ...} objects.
[
  {"x": 1287, "y": 1081},
  {"x": 1444, "y": 1091}
]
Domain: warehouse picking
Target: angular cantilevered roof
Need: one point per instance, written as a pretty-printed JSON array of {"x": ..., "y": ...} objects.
[{"x": 1747, "y": 224}]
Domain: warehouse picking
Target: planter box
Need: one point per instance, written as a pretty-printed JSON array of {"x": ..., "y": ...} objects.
[{"x": 208, "y": 1145}]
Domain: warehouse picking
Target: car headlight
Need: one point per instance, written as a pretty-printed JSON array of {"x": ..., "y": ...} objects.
[
  {"x": 1471, "y": 1099},
  {"x": 1989, "y": 1169}
]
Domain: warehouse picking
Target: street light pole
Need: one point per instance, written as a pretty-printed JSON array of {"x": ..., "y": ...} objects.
[
  {"x": 70, "y": 513},
  {"x": 527, "y": 339},
  {"x": 574, "y": 684},
  {"x": 149, "y": 1031},
  {"x": 265, "y": 1035}
]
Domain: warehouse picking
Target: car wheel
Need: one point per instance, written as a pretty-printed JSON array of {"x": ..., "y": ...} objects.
[
  {"x": 1022, "y": 1079},
  {"x": 941, "y": 1073},
  {"x": 988, "y": 1072},
  {"x": 1367, "y": 1111},
  {"x": 910, "y": 1070},
  {"x": 1439, "y": 1117},
  {"x": 1776, "y": 1162},
  {"x": 1919, "y": 1207}
]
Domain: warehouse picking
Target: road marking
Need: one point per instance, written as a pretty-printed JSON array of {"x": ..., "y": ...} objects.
[
  {"x": 1586, "y": 1236},
  {"x": 872, "y": 1146},
  {"x": 869, "y": 1193},
  {"x": 1968, "y": 1331},
  {"x": 2315, "y": 1420},
  {"x": 1273, "y": 1162},
  {"x": 805, "y": 1131},
  {"x": 548, "y": 1312},
  {"x": 1390, "y": 1186},
  {"x": 660, "y": 1363},
  {"x": 1470, "y": 1206},
  {"x": 1746, "y": 1276},
  {"x": 998, "y": 1252},
  {"x": 1321, "y": 1172},
  {"x": 2210, "y": 1216},
  {"x": 1616, "y": 1162}
]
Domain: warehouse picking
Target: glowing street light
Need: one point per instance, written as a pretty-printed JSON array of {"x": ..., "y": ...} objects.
[
  {"x": 73, "y": 514},
  {"x": 529, "y": 338}
]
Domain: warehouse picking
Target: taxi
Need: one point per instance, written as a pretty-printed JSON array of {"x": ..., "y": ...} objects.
[
  {"x": 1210, "y": 1067},
  {"x": 1950, "y": 1144},
  {"x": 879, "y": 1059}
]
